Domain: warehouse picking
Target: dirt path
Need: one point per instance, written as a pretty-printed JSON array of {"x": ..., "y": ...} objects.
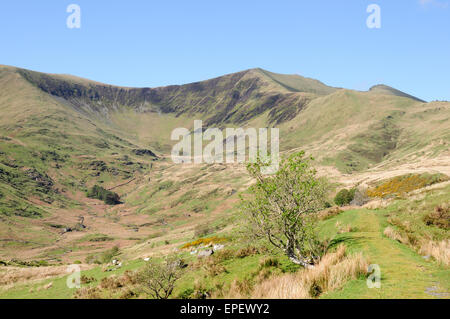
[
  {"x": 425, "y": 165},
  {"x": 123, "y": 184}
]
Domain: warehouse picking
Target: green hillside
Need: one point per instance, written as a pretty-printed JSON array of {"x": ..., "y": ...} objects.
[
  {"x": 85, "y": 167},
  {"x": 384, "y": 89}
]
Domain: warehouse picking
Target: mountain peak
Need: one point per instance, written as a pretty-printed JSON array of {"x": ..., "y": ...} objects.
[
  {"x": 385, "y": 89},
  {"x": 294, "y": 82}
]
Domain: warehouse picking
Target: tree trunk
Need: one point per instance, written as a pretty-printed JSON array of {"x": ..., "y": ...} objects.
[{"x": 297, "y": 260}]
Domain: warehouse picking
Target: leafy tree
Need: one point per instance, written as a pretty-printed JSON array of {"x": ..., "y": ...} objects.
[
  {"x": 158, "y": 278},
  {"x": 360, "y": 197},
  {"x": 344, "y": 197},
  {"x": 105, "y": 195},
  {"x": 282, "y": 208}
]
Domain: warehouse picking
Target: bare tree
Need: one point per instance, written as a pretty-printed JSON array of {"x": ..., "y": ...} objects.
[
  {"x": 158, "y": 277},
  {"x": 360, "y": 197},
  {"x": 282, "y": 208}
]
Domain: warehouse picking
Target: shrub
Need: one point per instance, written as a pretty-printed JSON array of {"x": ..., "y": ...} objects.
[
  {"x": 344, "y": 197},
  {"x": 440, "y": 217},
  {"x": 360, "y": 197},
  {"x": 186, "y": 294},
  {"x": 86, "y": 280},
  {"x": 103, "y": 194},
  {"x": 158, "y": 278}
]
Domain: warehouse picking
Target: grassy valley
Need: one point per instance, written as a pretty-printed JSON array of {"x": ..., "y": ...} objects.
[{"x": 86, "y": 178}]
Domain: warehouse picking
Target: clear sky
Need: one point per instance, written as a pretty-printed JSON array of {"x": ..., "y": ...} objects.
[{"x": 152, "y": 43}]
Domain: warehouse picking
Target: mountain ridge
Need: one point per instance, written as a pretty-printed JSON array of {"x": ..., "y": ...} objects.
[{"x": 231, "y": 98}]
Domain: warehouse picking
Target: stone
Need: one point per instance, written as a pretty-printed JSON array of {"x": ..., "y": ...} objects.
[{"x": 205, "y": 253}]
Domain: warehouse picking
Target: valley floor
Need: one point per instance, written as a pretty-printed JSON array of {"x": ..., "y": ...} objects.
[{"x": 404, "y": 272}]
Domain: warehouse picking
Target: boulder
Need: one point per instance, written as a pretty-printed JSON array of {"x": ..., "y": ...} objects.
[
  {"x": 218, "y": 247},
  {"x": 205, "y": 253}
]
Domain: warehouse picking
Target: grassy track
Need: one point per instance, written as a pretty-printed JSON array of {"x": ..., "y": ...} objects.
[{"x": 404, "y": 273}]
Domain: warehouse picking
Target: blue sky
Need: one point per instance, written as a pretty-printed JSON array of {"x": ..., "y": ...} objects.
[{"x": 153, "y": 43}]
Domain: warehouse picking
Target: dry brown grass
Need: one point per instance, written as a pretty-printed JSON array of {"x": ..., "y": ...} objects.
[
  {"x": 440, "y": 251},
  {"x": 14, "y": 275},
  {"x": 239, "y": 289},
  {"x": 328, "y": 213},
  {"x": 223, "y": 254},
  {"x": 247, "y": 251},
  {"x": 212, "y": 268},
  {"x": 122, "y": 287},
  {"x": 334, "y": 270},
  {"x": 88, "y": 293},
  {"x": 343, "y": 228},
  {"x": 393, "y": 234},
  {"x": 48, "y": 286}
]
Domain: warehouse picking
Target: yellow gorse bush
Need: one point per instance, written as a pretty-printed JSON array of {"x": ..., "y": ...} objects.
[
  {"x": 404, "y": 184},
  {"x": 204, "y": 241}
]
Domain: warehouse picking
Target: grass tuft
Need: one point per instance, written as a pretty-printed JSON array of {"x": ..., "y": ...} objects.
[
  {"x": 440, "y": 251},
  {"x": 333, "y": 271}
]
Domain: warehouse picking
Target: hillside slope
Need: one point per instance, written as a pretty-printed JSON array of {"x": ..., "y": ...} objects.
[
  {"x": 232, "y": 98},
  {"x": 60, "y": 135},
  {"x": 384, "y": 89}
]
